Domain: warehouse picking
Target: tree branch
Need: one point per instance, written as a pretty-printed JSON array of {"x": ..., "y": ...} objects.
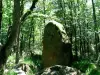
[{"x": 29, "y": 12}]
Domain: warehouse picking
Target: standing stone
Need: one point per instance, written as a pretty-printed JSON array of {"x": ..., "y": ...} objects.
[{"x": 56, "y": 45}]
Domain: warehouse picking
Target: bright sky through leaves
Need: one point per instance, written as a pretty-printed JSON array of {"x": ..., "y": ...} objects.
[{"x": 89, "y": 3}]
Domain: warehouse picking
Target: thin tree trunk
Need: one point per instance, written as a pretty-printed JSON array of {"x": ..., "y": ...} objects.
[
  {"x": 71, "y": 21},
  {"x": 22, "y": 7},
  {"x": 75, "y": 31},
  {"x": 29, "y": 44},
  {"x": 33, "y": 28},
  {"x": 44, "y": 10},
  {"x": 21, "y": 41},
  {"x": 0, "y": 18},
  {"x": 22, "y": 45},
  {"x": 63, "y": 9},
  {"x": 95, "y": 26},
  {"x": 18, "y": 36},
  {"x": 0, "y": 14},
  {"x": 80, "y": 29},
  {"x": 17, "y": 48}
]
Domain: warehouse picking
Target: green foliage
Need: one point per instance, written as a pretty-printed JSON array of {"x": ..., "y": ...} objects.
[
  {"x": 33, "y": 62},
  {"x": 84, "y": 65},
  {"x": 78, "y": 16},
  {"x": 10, "y": 62},
  {"x": 27, "y": 60},
  {"x": 31, "y": 72},
  {"x": 94, "y": 72},
  {"x": 10, "y": 72},
  {"x": 87, "y": 67}
]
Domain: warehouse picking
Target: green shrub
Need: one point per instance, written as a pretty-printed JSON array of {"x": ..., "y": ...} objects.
[
  {"x": 11, "y": 72},
  {"x": 93, "y": 72},
  {"x": 84, "y": 66},
  {"x": 10, "y": 62}
]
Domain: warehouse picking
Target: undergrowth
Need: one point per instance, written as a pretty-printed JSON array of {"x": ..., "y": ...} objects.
[
  {"x": 28, "y": 60},
  {"x": 87, "y": 67}
]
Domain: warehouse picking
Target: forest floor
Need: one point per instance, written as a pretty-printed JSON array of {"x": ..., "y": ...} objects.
[{"x": 28, "y": 66}]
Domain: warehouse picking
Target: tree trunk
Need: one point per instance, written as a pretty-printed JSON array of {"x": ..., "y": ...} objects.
[
  {"x": 30, "y": 35},
  {"x": 44, "y": 12},
  {"x": 18, "y": 36},
  {"x": 5, "y": 51},
  {"x": 0, "y": 17},
  {"x": 75, "y": 32},
  {"x": 0, "y": 14},
  {"x": 95, "y": 26},
  {"x": 17, "y": 48},
  {"x": 22, "y": 45}
]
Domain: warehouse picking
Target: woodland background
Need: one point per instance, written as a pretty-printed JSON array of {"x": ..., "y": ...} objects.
[{"x": 22, "y": 24}]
